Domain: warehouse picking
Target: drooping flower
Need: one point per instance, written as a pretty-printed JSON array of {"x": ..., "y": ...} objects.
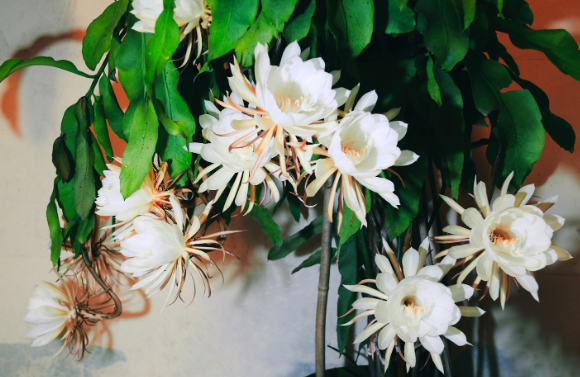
[
  {"x": 150, "y": 198},
  {"x": 162, "y": 253},
  {"x": 221, "y": 131},
  {"x": 362, "y": 146},
  {"x": 290, "y": 100},
  {"x": 512, "y": 238},
  {"x": 188, "y": 14},
  {"x": 52, "y": 314},
  {"x": 410, "y": 304}
]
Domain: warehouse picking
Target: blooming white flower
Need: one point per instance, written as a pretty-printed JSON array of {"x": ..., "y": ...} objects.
[
  {"x": 510, "y": 238},
  {"x": 362, "y": 146},
  {"x": 221, "y": 130},
  {"x": 412, "y": 305},
  {"x": 187, "y": 14},
  {"x": 161, "y": 253},
  {"x": 293, "y": 98},
  {"x": 51, "y": 311}
]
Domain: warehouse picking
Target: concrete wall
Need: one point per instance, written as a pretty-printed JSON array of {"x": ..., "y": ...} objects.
[{"x": 260, "y": 322}]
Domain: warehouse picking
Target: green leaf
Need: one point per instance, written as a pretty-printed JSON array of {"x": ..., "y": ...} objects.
[
  {"x": 101, "y": 129},
  {"x": 498, "y": 4},
  {"x": 350, "y": 225},
  {"x": 84, "y": 187},
  {"x": 469, "y": 9},
  {"x": 61, "y": 159},
  {"x": 296, "y": 240},
  {"x": 66, "y": 199},
  {"x": 12, "y": 65},
  {"x": 520, "y": 133},
  {"x": 488, "y": 77},
  {"x": 348, "y": 266},
  {"x": 141, "y": 126},
  {"x": 313, "y": 260},
  {"x": 163, "y": 44},
  {"x": 432, "y": 85},
  {"x": 351, "y": 22},
  {"x": 262, "y": 31},
  {"x": 558, "y": 45},
  {"x": 230, "y": 21},
  {"x": 68, "y": 129},
  {"x": 559, "y": 129},
  {"x": 278, "y": 11},
  {"x": 442, "y": 31},
  {"x": 98, "y": 160},
  {"x": 518, "y": 10},
  {"x": 295, "y": 206},
  {"x": 398, "y": 219},
  {"x": 298, "y": 26},
  {"x": 390, "y": 18},
  {"x": 97, "y": 41},
  {"x": 54, "y": 227},
  {"x": 449, "y": 126},
  {"x": 85, "y": 228},
  {"x": 113, "y": 111},
  {"x": 131, "y": 64},
  {"x": 267, "y": 224}
]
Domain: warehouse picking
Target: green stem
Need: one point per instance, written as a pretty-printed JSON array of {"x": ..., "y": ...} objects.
[{"x": 97, "y": 76}]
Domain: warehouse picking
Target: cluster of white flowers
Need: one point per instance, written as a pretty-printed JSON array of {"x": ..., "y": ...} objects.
[{"x": 277, "y": 125}]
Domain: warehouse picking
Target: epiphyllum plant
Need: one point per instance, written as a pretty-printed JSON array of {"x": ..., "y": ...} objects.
[
  {"x": 512, "y": 238},
  {"x": 287, "y": 126},
  {"x": 411, "y": 304}
]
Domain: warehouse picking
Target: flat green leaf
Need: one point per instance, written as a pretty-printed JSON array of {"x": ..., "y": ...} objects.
[
  {"x": 12, "y": 65},
  {"x": 488, "y": 77},
  {"x": 469, "y": 10},
  {"x": 313, "y": 260},
  {"x": 97, "y": 41},
  {"x": 498, "y": 4},
  {"x": 98, "y": 161},
  {"x": 262, "y": 31},
  {"x": 298, "y": 26},
  {"x": 113, "y": 111},
  {"x": 402, "y": 3},
  {"x": 390, "y": 18},
  {"x": 267, "y": 224},
  {"x": 131, "y": 64},
  {"x": 54, "y": 227},
  {"x": 85, "y": 228},
  {"x": 230, "y": 21},
  {"x": 296, "y": 240},
  {"x": 442, "y": 31},
  {"x": 101, "y": 129},
  {"x": 558, "y": 45},
  {"x": 141, "y": 126},
  {"x": 351, "y": 22},
  {"x": 163, "y": 44},
  {"x": 350, "y": 225},
  {"x": 559, "y": 129},
  {"x": 295, "y": 206},
  {"x": 449, "y": 126},
  {"x": 432, "y": 85},
  {"x": 518, "y": 10},
  {"x": 62, "y": 160},
  {"x": 84, "y": 188},
  {"x": 398, "y": 219},
  {"x": 68, "y": 129},
  {"x": 348, "y": 266},
  {"x": 66, "y": 199},
  {"x": 278, "y": 11},
  {"x": 520, "y": 133}
]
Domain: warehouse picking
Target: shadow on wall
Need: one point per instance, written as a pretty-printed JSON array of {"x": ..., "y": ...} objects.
[{"x": 23, "y": 360}]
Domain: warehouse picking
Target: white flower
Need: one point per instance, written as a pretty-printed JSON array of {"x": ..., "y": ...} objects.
[
  {"x": 222, "y": 131},
  {"x": 187, "y": 14},
  {"x": 413, "y": 307},
  {"x": 161, "y": 254},
  {"x": 51, "y": 311},
  {"x": 362, "y": 146},
  {"x": 511, "y": 238}
]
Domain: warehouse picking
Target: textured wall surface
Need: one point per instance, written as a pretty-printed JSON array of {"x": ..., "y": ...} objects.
[{"x": 260, "y": 322}]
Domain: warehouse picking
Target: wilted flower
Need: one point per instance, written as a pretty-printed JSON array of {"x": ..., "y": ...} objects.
[
  {"x": 512, "y": 238},
  {"x": 161, "y": 253},
  {"x": 292, "y": 99},
  {"x": 362, "y": 147},
  {"x": 188, "y": 14},
  {"x": 52, "y": 312},
  {"x": 412, "y": 305},
  {"x": 221, "y": 130}
]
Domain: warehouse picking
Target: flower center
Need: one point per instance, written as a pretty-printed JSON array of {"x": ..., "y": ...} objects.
[
  {"x": 410, "y": 308},
  {"x": 505, "y": 240},
  {"x": 245, "y": 154},
  {"x": 289, "y": 105},
  {"x": 357, "y": 151}
]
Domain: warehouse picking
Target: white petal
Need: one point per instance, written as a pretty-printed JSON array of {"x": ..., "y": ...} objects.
[
  {"x": 437, "y": 361},
  {"x": 503, "y": 202},
  {"x": 386, "y": 336},
  {"x": 368, "y": 332},
  {"x": 410, "y": 262},
  {"x": 562, "y": 253},
  {"x": 432, "y": 344},
  {"x": 460, "y": 292},
  {"x": 471, "y": 217},
  {"x": 457, "y": 230},
  {"x": 195, "y": 147},
  {"x": 506, "y": 184},
  {"x": 471, "y": 311},
  {"x": 456, "y": 336},
  {"x": 399, "y": 127},
  {"x": 410, "y": 354},
  {"x": 524, "y": 194},
  {"x": 453, "y": 204},
  {"x": 434, "y": 273},
  {"x": 367, "y": 102},
  {"x": 480, "y": 194},
  {"x": 366, "y": 303},
  {"x": 383, "y": 263},
  {"x": 335, "y": 76},
  {"x": 406, "y": 157},
  {"x": 462, "y": 251},
  {"x": 554, "y": 221},
  {"x": 484, "y": 267},
  {"x": 529, "y": 284},
  {"x": 386, "y": 282}
]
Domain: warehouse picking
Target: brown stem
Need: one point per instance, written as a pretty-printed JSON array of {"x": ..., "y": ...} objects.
[{"x": 323, "y": 287}]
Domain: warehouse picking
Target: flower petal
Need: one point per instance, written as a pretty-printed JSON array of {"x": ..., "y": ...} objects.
[
  {"x": 463, "y": 251},
  {"x": 386, "y": 336},
  {"x": 461, "y": 292},
  {"x": 456, "y": 336},
  {"x": 410, "y": 354},
  {"x": 432, "y": 344},
  {"x": 410, "y": 262}
]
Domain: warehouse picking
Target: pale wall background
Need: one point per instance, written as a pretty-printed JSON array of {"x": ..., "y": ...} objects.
[{"x": 261, "y": 321}]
